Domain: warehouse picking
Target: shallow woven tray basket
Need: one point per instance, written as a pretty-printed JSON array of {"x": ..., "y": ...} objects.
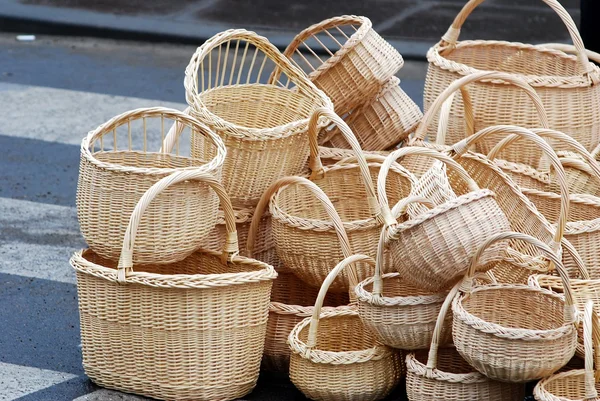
[
  {"x": 567, "y": 84},
  {"x": 359, "y": 63},
  {"x": 160, "y": 330},
  {"x": 514, "y": 332},
  {"x": 264, "y": 126},
  {"x": 116, "y": 169},
  {"x": 335, "y": 358}
]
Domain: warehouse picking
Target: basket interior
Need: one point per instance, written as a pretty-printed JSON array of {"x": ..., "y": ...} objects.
[
  {"x": 578, "y": 211},
  {"x": 197, "y": 263},
  {"x": 396, "y": 287},
  {"x": 505, "y": 307},
  {"x": 513, "y": 59},
  {"x": 449, "y": 361},
  {"x": 571, "y": 387},
  {"x": 290, "y": 290},
  {"x": 341, "y": 334},
  {"x": 345, "y": 188}
]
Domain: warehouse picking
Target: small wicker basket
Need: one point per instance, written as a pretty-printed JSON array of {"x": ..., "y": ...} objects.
[
  {"x": 360, "y": 61},
  {"x": 113, "y": 178},
  {"x": 335, "y": 358},
  {"x": 498, "y": 336},
  {"x": 160, "y": 330}
]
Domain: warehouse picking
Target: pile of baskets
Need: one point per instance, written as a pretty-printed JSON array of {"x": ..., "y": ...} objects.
[{"x": 296, "y": 217}]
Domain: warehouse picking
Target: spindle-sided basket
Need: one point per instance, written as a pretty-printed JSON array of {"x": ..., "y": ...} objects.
[
  {"x": 118, "y": 166},
  {"x": 194, "y": 329}
]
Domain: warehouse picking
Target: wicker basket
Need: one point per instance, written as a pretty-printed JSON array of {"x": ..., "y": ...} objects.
[
  {"x": 382, "y": 122},
  {"x": 335, "y": 358},
  {"x": 115, "y": 171},
  {"x": 160, "y": 330},
  {"x": 580, "y": 384},
  {"x": 442, "y": 374},
  {"x": 330, "y": 156},
  {"x": 264, "y": 126},
  {"x": 306, "y": 239},
  {"x": 567, "y": 84},
  {"x": 400, "y": 315},
  {"x": 458, "y": 226},
  {"x": 360, "y": 61},
  {"x": 513, "y": 332}
]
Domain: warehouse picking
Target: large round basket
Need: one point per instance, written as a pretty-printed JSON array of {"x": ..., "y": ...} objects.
[
  {"x": 567, "y": 84},
  {"x": 335, "y": 358},
  {"x": 264, "y": 126},
  {"x": 160, "y": 330},
  {"x": 359, "y": 63},
  {"x": 117, "y": 167}
]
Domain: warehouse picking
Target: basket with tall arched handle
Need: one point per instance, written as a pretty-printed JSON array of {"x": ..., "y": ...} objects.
[
  {"x": 567, "y": 84},
  {"x": 160, "y": 330},
  {"x": 432, "y": 250},
  {"x": 336, "y": 358},
  {"x": 117, "y": 168},
  {"x": 356, "y": 60},
  {"x": 264, "y": 125},
  {"x": 514, "y": 332},
  {"x": 305, "y": 238},
  {"x": 442, "y": 374}
]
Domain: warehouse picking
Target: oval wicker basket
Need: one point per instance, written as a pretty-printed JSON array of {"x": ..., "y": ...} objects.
[
  {"x": 359, "y": 63},
  {"x": 567, "y": 84},
  {"x": 498, "y": 336},
  {"x": 117, "y": 168},
  {"x": 264, "y": 126},
  {"x": 335, "y": 358},
  {"x": 459, "y": 226},
  {"x": 160, "y": 330},
  {"x": 442, "y": 374}
]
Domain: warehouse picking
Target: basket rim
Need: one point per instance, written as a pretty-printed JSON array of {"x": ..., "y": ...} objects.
[
  {"x": 542, "y": 394},
  {"x": 552, "y": 81},
  {"x": 414, "y": 366},
  {"x": 411, "y": 300},
  {"x": 281, "y": 308},
  {"x": 524, "y": 169},
  {"x": 509, "y": 333},
  {"x": 299, "y": 347},
  {"x": 183, "y": 281}
]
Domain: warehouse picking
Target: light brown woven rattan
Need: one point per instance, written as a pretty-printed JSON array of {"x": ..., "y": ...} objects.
[
  {"x": 433, "y": 249},
  {"x": 359, "y": 61},
  {"x": 264, "y": 126},
  {"x": 381, "y": 122},
  {"x": 330, "y": 156},
  {"x": 305, "y": 239},
  {"x": 567, "y": 84},
  {"x": 117, "y": 168},
  {"x": 442, "y": 375},
  {"x": 335, "y": 358},
  {"x": 514, "y": 332},
  {"x": 193, "y": 329},
  {"x": 580, "y": 384}
]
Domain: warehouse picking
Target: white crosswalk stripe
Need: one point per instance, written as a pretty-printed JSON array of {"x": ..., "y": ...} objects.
[{"x": 17, "y": 381}]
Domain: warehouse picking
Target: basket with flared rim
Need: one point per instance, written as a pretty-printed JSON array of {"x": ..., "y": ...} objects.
[
  {"x": 334, "y": 357},
  {"x": 359, "y": 61},
  {"x": 567, "y": 84},
  {"x": 159, "y": 329},
  {"x": 514, "y": 332},
  {"x": 459, "y": 225},
  {"x": 382, "y": 122},
  {"x": 442, "y": 374},
  {"x": 579, "y": 384},
  {"x": 116, "y": 169},
  {"x": 293, "y": 300},
  {"x": 305, "y": 239},
  {"x": 400, "y": 315},
  {"x": 264, "y": 126}
]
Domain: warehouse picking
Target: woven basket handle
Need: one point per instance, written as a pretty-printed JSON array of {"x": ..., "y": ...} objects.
[
  {"x": 316, "y": 166},
  {"x": 570, "y": 49},
  {"x": 325, "y": 202},
  {"x": 314, "y": 321},
  {"x": 450, "y": 38},
  {"x": 414, "y": 150},
  {"x": 486, "y": 76},
  {"x": 460, "y": 147},
  {"x": 377, "y": 161},
  {"x": 467, "y": 284},
  {"x": 230, "y": 249},
  {"x": 590, "y": 344}
]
